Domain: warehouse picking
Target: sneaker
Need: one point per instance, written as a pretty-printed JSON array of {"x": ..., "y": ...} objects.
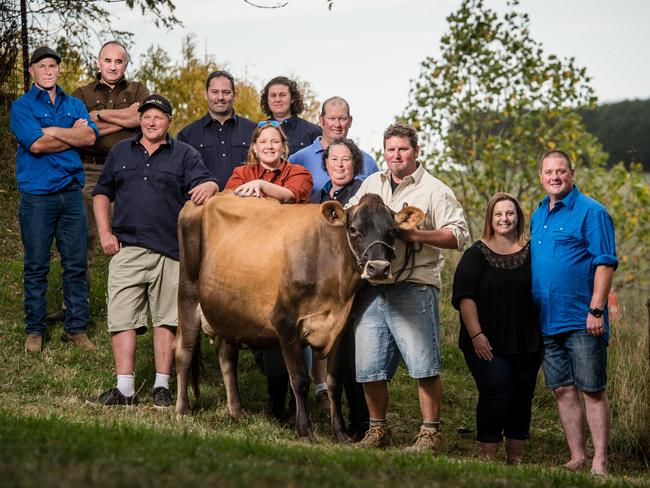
[
  {"x": 429, "y": 439},
  {"x": 323, "y": 400},
  {"x": 79, "y": 340},
  {"x": 378, "y": 436},
  {"x": 113, "y": 397},
  {"x": 162, "y": 397},
  {"x": 33, "y": 343}
]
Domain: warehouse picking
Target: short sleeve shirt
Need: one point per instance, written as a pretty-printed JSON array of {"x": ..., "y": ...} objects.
[
  {"x": 149, "y": 191},
  {"x": 287, "y": 175},
  {"x": 100, "y": 96},
  {"x": 300, "y": 133}
]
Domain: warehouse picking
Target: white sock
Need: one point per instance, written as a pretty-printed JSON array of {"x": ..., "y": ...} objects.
[
  {"x": 320, "y": 387},
  {"x": 126, "y": 384},
  {"x": 161, "y": 380}
]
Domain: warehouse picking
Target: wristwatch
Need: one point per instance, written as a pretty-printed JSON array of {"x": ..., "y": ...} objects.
[{"x": 596, "y": 312}]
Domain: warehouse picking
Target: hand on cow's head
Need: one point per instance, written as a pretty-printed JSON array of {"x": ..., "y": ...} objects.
[
  {"x": 409, "y": 218},
  {"x": 333, "y": 213}
]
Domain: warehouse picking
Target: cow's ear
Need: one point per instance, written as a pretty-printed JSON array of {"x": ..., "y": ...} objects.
[
  {"x": 333, "y": 212},
  {"x": 409, "y": 218}
]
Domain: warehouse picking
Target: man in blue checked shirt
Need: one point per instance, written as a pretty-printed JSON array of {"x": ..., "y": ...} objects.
[
  {"x": 50, "y": 126},
  {"x": 573, "y": 263}
]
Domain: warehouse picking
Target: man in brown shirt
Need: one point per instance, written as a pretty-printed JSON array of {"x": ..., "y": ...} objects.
[{"x": 112, "y": 102}]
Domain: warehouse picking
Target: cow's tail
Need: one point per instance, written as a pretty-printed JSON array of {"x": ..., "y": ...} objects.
[{"x": 195, "y": 367}]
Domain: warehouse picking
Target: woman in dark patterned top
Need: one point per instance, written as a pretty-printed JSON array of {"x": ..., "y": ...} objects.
[
  {"x": 499, "y": 335},
  {"x": 343, "y": 161}
]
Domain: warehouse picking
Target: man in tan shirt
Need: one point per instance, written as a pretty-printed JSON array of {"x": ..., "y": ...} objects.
[
  {"x": 112, "y": 102},
  {"x": 398, "y": 317}
]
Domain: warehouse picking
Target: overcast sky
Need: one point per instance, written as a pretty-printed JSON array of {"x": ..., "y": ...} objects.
[{"x": 368, "y": 50}]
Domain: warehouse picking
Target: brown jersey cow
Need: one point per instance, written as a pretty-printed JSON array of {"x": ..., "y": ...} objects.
[{"x": 266, "y": 274}]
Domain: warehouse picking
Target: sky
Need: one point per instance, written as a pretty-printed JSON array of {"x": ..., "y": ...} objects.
[{"x": 368, "y": 51}]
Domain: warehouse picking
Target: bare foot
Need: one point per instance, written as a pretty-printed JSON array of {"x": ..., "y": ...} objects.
[{"x": 574, "y": 464}]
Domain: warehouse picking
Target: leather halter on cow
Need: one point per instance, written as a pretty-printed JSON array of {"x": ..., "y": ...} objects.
[{"x": 265, "y": 274}]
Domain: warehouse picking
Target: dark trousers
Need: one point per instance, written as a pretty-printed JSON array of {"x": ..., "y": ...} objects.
[{"x": 506, "y": 386}]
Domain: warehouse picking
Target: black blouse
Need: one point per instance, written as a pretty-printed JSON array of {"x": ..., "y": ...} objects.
[{"x": 500, "y": 285}]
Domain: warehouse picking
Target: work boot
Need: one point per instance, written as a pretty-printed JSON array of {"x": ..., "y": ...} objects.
[
  {"x": 429, "y": 439},
  {"x": 79, "y": 340},
  {"x": 58, "y": 316},
  {"x": 377, "y": 436},
  {"x": 33, "y": 343}
]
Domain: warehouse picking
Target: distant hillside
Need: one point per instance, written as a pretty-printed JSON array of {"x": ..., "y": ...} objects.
[{"x": 624, "y": 130}]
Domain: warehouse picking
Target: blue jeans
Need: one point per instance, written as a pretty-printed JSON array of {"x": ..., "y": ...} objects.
[
  {"x": 42, "y": 218},
  {"x": 396, "y": 321}
]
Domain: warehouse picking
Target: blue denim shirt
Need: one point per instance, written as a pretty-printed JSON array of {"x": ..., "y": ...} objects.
[
  {"x": 41, "y": 174},
  {"x": 222, "y": 147},
  {"x": 149, "y": 191},
  {"x": 567, "y": 244},
  {"x": 311, "y": 158},
  {"x": 300, "y": 133}
]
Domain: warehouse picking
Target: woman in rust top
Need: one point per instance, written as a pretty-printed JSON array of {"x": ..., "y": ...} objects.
[{"x": 267, "y": 172}]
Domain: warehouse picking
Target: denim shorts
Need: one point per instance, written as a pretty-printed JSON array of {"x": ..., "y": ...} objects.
[
  {"x": 393, "y": 321},
  {"x": 575, "y": 358}
]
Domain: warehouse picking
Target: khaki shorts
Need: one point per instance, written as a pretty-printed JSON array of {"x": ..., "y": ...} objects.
[{"x": 139, "y": 280}]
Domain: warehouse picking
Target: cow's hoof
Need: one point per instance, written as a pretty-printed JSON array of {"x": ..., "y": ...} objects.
[
  {"x": 343, "y": 438},
  {"x": 239, "y": 414},
  {"x": 308, "y": 439}
]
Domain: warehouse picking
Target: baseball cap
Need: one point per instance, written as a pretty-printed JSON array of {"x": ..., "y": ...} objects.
[
  {"x": 44, "y": 52},
  {"x": 157, "y": 101}
]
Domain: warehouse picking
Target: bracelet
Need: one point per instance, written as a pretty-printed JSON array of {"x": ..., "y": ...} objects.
[{"x": 476, "y": 335}]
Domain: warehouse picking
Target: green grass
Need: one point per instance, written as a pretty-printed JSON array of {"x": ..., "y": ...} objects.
[{"x": 50, "y": 436}]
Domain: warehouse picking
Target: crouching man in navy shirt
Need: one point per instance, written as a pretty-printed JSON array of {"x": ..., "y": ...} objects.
[
  {"x": 573, "y": 263},
  {"x": 149, "y": 178}
]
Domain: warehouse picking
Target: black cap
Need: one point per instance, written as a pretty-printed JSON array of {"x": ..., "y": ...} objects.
[
  {"x": 44, "y": 52},
  {"x": 157, "y": 101}
]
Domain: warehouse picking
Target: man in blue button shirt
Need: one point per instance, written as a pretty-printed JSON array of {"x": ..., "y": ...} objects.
[
  {"x": 282, "y": 101},
  {"x": 335, "y": 120},
  {"x": 573, "y": 263},
  {"x": 222, "y": 137},
  {"x": 149, "y": 177},
  {"x": 50, "y": 126}
]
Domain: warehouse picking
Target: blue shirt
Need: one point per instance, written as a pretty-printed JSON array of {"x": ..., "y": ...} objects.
[
  {"x": 223, "y": 147},
  {"x": 311, "y": 158},
  {"x": 41, "y": 174},
  {"x": 150, "y": 190},
  {"x": 300, "y": 133},
  {"x": 567, "y": 243}
]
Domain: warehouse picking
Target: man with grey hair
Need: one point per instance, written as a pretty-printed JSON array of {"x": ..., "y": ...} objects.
[
  {"x": 335, "y": 120},
  {"x": 112, "y": 102}
]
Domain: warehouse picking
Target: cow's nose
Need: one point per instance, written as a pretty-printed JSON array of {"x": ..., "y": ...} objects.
[{"x": 376, "y": 269}]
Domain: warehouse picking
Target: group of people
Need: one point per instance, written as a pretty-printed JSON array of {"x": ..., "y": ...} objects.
[{"x": 523, "y": 302}]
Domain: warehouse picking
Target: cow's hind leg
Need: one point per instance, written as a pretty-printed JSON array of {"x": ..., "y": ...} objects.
[
  {"x": 335, "y": 388},
  {"x": 187, "y": 349},
  {"x": 228, "y": 354},
  {"x": 293, "y": 357}
]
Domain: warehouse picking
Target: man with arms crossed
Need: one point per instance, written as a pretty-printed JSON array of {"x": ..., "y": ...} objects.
[
  {"x": 399, "y": 316},
  {"x": 50, "y": 126},
  {"x": 222, "y": 137},
  {"x": 112, "y": 102},
  {"x": 574, "y": 234},
  {"x": 148, "y": 177},
  {"x": 335, "y": 120}
]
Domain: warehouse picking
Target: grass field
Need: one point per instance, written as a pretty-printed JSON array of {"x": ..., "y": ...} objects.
[{"x": 49, "y": 436}]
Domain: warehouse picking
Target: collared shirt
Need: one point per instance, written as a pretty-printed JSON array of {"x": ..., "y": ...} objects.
[
  {"x": 287, "y": 175},
  {"x": 567, "y": 243},
  {"x": 341, "y": 195},
  {"x": 441, "y": 211},
  {"x": 223, "y": 147},
  {"x": 311, "y": 158},
  {"x": 149, "y": 191},
  {"x": 99, "y": 96},
  {"x": 41, "y": 174},
  {"x": 300, "y": 133}
]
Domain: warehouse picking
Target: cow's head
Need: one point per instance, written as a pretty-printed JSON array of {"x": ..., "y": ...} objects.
[{"x": 371, "y": 229}]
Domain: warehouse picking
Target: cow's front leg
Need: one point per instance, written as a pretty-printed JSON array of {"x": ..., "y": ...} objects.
[
  {"x": 228, "y": 354},
  {"x": 295, "y": 361},
  {"x": 335, "y": 387}
]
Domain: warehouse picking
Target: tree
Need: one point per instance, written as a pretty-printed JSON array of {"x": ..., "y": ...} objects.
[{"x": 493, "y": 102}]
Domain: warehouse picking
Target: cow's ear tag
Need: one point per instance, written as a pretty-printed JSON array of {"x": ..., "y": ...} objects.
[
  {"x": 333, "y": 213},
  {"x": 409, "y": 218}
]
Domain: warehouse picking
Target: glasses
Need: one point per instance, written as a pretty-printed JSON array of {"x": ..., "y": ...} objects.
[{"x": 272, "y": 123}]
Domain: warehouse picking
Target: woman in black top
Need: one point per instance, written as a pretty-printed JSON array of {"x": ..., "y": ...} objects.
[{"x": 499, "y": 334}]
